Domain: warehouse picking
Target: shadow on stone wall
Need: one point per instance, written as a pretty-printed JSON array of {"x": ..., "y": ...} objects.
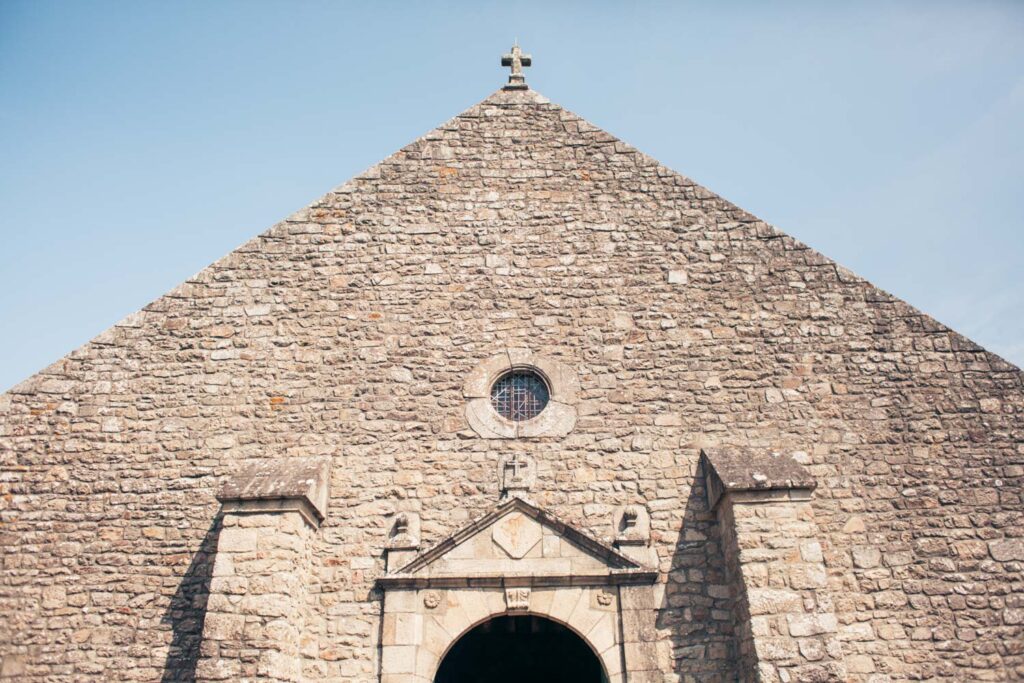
[
  {"x": 187, "y": 610},
  {"x": 697, "y": 608}
]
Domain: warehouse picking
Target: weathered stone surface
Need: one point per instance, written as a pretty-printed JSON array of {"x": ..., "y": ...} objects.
[
  {"x": 276, "y": 479},
  {"x": 741, "y": 469},
  {"x": 783, "y": 614},
  {"x": 347, "y": 331},
  {"x": 516, "y": 534},
  {"x": 258, "y": 597},
  {"x": 1008, "y": 550}
]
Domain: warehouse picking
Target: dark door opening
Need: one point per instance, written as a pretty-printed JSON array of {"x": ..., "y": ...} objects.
[{"x": 520, "y": 649}]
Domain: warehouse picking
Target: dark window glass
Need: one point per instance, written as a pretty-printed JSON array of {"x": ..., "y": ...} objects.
[{"x": 519, "y": 395}]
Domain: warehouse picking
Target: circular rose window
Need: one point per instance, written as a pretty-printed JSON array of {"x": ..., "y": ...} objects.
[{"x": 519, "y": 395}]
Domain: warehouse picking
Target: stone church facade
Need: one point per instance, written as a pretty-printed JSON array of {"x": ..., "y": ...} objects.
[{"x": 516, "y": 373}]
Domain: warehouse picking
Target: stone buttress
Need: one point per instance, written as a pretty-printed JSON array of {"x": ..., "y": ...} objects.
[{"x": 259, "y": 589}]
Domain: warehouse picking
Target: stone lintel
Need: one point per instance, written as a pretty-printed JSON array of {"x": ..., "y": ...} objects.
[
  {"x": 753, "y": 476},
  {"x": 279, "y": 485},
  {"x": 617, "y": 577}
]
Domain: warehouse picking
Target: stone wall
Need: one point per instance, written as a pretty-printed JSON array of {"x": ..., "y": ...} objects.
[
  {"x": 786, "y": 626},
  {"x": 348, "y": 330},
  {"x": 253, "y": 628}
]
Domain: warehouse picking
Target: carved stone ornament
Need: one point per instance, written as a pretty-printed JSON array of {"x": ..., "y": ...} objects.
[
  {"x": 431, "y": 599},
  {"x": 405, "y": 532},
  {"x": 518, "y": 559},
  {"x": 632, "y": 525},
  {"x": 516, "y": 474},
  {"x": 517, "y": 534},
  {"x": 517, "y": 599}
]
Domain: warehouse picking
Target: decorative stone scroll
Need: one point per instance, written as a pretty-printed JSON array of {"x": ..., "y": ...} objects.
[{"x": 786, "y": 625}]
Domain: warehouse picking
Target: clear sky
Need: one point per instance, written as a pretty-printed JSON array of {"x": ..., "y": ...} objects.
[{"x": 140, "y": 141}]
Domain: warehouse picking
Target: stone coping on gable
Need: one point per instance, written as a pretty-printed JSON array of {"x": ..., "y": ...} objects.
[
  {"x": 733, "y": 469},
  {"x": 276, "y": 484}
]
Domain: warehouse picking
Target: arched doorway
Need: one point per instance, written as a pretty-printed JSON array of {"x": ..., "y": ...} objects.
[{"x": 518, "y": 649}]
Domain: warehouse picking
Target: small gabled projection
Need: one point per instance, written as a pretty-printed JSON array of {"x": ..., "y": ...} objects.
[{"x": 518, "y": 539}]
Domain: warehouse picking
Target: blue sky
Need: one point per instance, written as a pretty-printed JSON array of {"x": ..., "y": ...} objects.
[{"x": 140, "y": 141}]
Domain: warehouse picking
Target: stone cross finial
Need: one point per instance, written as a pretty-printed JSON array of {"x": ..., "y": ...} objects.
[{"x": 517, "y": 60}]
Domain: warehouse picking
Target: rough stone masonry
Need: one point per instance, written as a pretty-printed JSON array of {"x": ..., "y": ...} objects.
[{"x": 755, "y": 466}]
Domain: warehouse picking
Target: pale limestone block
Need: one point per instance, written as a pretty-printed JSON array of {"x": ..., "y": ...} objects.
[
  {"x": 229, "y": 585},
  {"x": 219, "y": 626},
  {"x": 774, "y": 649},
  {"x": 436, "y": 638},
  {"x": 516, "y": 534},
  {"x": 805, "y": 576},
  {"x": 402, "y": 600},
  {"x": 223, "y": 565},
  {"x": 642, "y": 597},
  {"x": 474, "y": 605},
  {"x": 1007, "y": 550},
  {"x": 399, "y": 659},
  {"x": 604, "y": 633},
  {"x": 767, "y": 673},
  {"x": 564, "y": 602},
  {"x": 640, "y": 656},
  {"x": 811, "y": 624},
  {"x": 495, "y": 601},
  {"x": 859, "y": 664},
  {"x": 540, "y": 601},
  {"x": 773, "y": 601},
  {"x": 403, "y": 628},
  {"x": 639, "y": 625},
  {"x": 455, "y": 619},
  {"x": 810, "y": 551},
  {"x": 274, "y": 665},
  {"x": 218, "y": 669},
  {"x": 54, "y": 597},
  {"x": 584, "y": 617},
  {"x": 866, "y": 557},
  {"x": 268, "y": 521},
  {"x": 237, "y": 540},
  {"x": 611, "y": 659},
  {"x": 426, "y": 663},
  {"x": 812, "y": 649},
  {"x": 288, "y": 542}
]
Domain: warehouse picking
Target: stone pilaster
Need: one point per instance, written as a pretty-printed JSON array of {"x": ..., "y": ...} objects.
[
  {"x": 644, "y": 651},
  {"x": 258, "y": 594},
  {"x": 786, "y": 627}
]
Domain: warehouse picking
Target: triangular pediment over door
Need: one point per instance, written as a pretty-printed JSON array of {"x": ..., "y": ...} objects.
[{"x": 517, "y": 540}]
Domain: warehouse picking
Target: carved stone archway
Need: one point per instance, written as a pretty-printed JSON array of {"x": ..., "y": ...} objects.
[
  {"x": 520, "y": 647},
  {"x": 517, "y": 559}
]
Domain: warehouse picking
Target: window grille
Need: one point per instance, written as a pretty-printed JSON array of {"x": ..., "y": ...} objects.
[{"x": 519, "y": 395}]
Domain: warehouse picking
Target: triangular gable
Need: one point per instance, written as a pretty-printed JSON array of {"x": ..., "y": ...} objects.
[
  {"x": 166, "y": 315},
  {"x": 517, "y": 538}
]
